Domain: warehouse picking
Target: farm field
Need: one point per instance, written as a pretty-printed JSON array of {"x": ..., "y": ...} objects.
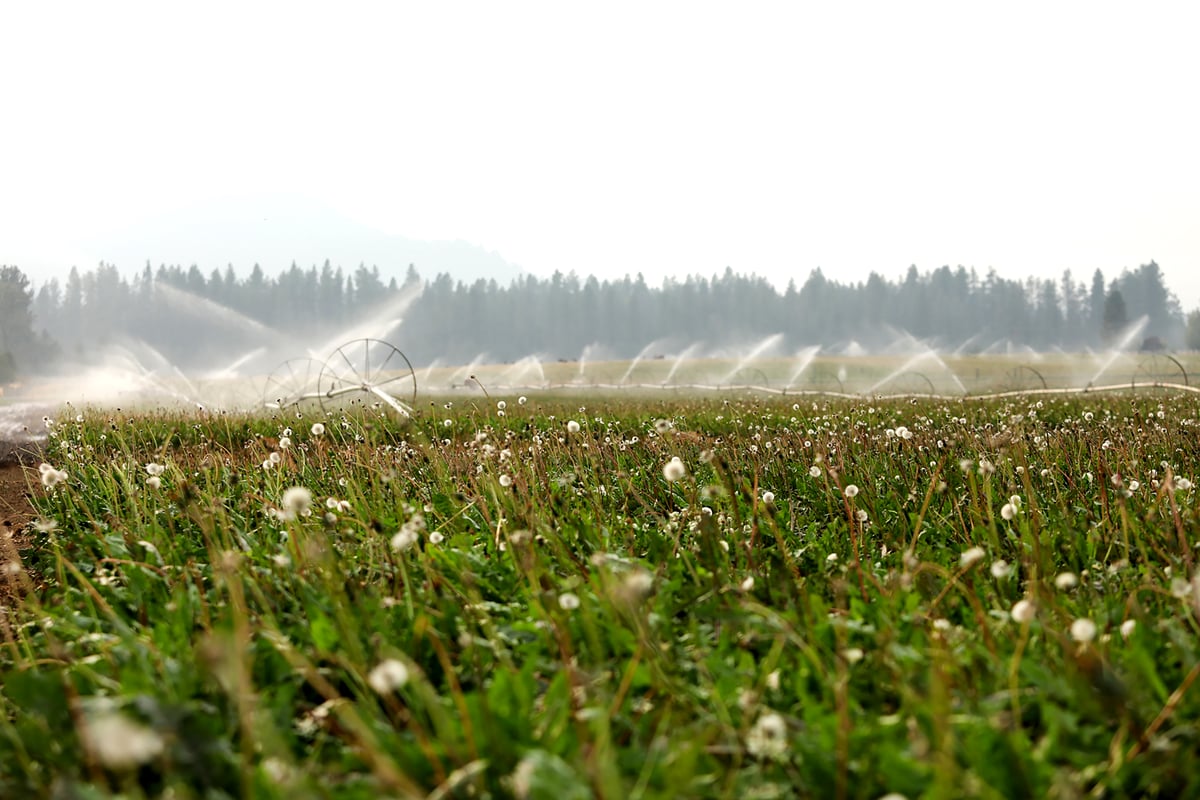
[{"x": 556, "y": 595}]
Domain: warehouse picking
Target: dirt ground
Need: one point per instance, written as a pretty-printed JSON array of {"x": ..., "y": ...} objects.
[
  {"x": 15, "y": 515},
  {"x": 22, "y": 434}
]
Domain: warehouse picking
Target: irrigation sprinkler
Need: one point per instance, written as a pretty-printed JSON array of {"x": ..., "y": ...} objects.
[
  {"x": 1019, "y": 378},
  {"x": 292, "y": 383},
  {"x": 362, "y": 367},
  {"x": 1160, "y": 368},
  {"x": 749, "y": 376},
  {"x": 908, "y": 381}
]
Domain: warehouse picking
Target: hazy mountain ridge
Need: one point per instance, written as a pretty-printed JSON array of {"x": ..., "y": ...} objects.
[{"x": 276, "y": 233}]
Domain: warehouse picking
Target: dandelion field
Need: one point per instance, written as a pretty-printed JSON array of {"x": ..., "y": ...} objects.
[{"x": 728, "y": 596}]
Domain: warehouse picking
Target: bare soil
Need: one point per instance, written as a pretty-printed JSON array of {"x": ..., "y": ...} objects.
[
  {"x": 18, "y": 458},
  {"x": 16, "y": 513}
]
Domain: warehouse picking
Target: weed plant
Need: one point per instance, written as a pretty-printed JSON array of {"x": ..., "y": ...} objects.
[{"x": 534, "y": 599}]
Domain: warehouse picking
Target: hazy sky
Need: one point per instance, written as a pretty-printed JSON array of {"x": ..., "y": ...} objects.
[{"x": 667, "y": 138}]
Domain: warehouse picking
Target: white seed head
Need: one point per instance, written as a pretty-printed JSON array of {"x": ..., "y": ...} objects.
[
  {"x": 674, "y": 469},
  {"x": 1083, "y": 630},
  {"x": 1023, "y": 611},
  {"x": 768, "y": 737},
  {"x": 388, "y": 675},
  {"x": 971, "y": 557},
  {"x": 295, "y": 502},
  {"x": 1066, "y": 580},
  {"x": 121, "y": 743}
]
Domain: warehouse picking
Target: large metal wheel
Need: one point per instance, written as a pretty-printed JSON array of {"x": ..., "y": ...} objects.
[
  {"x": 367, "y": 372},
  {"x": 905, "y": 384},
  {"x": 749, "y": 377},
  {"x": 293, "y": 382},
  {"x": 1159, "y": 369},
  {"x": 1024, "y": 378}
]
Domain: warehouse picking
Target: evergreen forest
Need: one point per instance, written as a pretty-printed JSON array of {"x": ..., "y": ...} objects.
[{"x": 192, "y": 318}]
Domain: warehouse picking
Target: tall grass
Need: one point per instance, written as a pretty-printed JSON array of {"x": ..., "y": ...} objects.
[{"x": 495, "y": 602}]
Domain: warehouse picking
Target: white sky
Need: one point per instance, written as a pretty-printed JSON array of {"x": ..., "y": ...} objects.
[{"x": 611, "y": 138}]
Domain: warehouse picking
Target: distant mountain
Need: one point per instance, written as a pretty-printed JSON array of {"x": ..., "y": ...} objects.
[{"x": 274, "y": 232}]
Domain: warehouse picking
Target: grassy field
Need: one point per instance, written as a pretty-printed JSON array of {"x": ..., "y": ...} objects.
[
  {"x": 534, "y": 598},
  {"x": 866, "y": 375}
]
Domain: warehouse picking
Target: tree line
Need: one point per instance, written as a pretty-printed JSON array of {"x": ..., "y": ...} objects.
[{"x": 192, "y": 318}]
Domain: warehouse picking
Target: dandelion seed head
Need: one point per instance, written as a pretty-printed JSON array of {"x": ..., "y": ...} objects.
[
  {"x": 119, "y": 742},
  {"x": 568, "y": 601},
  {"x": 388, "y": 675},
  {"x": 971, "y": 556},
  {"x": 1083, "y": 630},
  {"x": 814, "y": 471},
  {"x": 404, "y": 539},
  {"x": 851, "y": 490},
  {"x": 639, "y": 583},
  {"x": 1066, "y": 580},
  {"x": 572, "y": 427},
  {"x": 317, "y": 429},
  {"x": 1023, "y": 611},
  {"x": 154, "y": 470},
  {"x": 767, "y": 738},
  {"x": 674, "y": 469},
  {"x": 52, "y": 477},
  {"x": 295, "y": 502}
]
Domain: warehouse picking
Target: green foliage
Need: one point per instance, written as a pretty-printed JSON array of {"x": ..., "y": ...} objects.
[
  {"x": 18, "y": 345},
  {"x": 1193, "y": 330},
  {"x": 1115, "y": 316},
  {"x": 8, "y": 367},
  {"x": 508, "y": 606},
  {"x": 568, "y": 317}
]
